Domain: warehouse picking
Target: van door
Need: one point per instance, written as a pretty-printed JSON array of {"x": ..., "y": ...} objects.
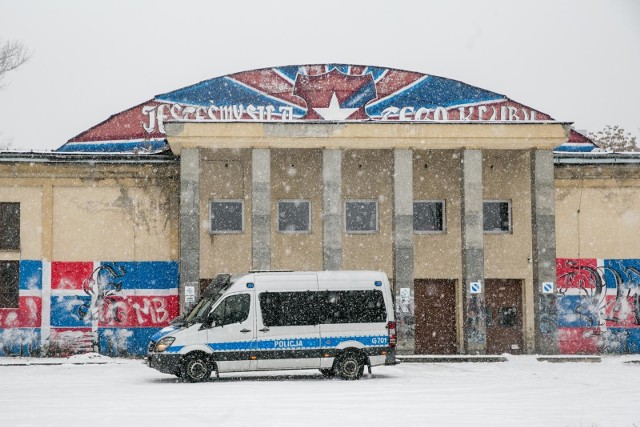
[
  {"x": 353, "y": 314},
  {"x": 232, "y": 332},
  {"x": 288, "y": 336}
]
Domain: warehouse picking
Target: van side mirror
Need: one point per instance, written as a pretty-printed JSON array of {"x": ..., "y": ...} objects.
[{"x": 210, "y": 322}]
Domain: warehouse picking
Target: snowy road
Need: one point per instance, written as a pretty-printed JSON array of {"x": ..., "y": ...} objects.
[{"x": 519, "y": 392}]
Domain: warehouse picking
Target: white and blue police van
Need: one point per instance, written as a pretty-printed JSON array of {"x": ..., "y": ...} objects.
[{"x": 334, "y": 321}]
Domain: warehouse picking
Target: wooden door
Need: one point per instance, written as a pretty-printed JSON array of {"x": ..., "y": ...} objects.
[
  {"x": 503, "y": 302},
  {"x": 435, "y": 316}
]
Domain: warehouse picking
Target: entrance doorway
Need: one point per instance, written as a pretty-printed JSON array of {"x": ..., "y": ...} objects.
[
  {"x": 435, "y": 316},
  {"x": 503, "y": 301}
]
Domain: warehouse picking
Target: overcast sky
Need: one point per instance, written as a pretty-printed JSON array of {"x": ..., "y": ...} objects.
[{"x": 577, "y": 60}]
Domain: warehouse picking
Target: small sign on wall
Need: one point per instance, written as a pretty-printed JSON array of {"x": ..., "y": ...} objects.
[
  {"x": 475, "y": 287},
  {"x": 405, "y": 301},
  {"x": 189, "y": 295},
  {"x": 547, "y": 287}
]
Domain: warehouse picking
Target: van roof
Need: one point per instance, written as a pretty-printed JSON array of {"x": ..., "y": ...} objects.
[{"x": 336, "y": 274}]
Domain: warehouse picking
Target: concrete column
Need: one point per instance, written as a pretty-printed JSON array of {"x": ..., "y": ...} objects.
[
  {"x": 544, "y": 251},
  {"x": 475, "y": 325},
  {"x": 332, "y": 209},
  {"x": 189, "y": 226},
  {"x": 403, "y": 248},
  {"x": 261, "y": 209}
]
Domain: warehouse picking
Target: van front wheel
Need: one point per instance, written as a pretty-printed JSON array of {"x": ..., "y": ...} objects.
[
  {"x": 195, "y": 369},
  {"x": 350, "y": 366}
]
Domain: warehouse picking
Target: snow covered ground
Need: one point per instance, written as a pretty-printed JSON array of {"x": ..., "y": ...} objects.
[{"x": 95, "y": 390}]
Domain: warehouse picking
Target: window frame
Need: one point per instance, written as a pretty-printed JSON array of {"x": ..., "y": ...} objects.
[
  {"x": 444, "y": 217},
  {"x": 211, "y": 202},
  {"x": 307, "y": 201},
  {"x": 509, "y": 214},
  {"x": 377, "y": 214}
]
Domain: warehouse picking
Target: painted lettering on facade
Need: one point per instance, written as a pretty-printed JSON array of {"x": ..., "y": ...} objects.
[{"x": 156, "y": 115}]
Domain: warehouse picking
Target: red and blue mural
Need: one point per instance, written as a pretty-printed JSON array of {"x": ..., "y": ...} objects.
[
  {"x": 114, "y": 307},
  {"x": 108, "y": 307},
  {"x": 598, "y": 305},
  {"x": 322, "y": 92}
]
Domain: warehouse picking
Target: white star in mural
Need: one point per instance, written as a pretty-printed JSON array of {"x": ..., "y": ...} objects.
[{"x": 334, "y": 111}]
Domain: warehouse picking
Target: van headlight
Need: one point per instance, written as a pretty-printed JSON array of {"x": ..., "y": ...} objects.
[{"x": 164, "y": 344}]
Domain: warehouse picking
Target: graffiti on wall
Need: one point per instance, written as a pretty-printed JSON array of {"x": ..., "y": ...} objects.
[
  {"x": 316, "y": 92},
  {"x": 69, "y": 307},
  {"x": 598, "y": 305}
]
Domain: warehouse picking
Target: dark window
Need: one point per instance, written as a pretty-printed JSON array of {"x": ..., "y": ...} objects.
[
  {"x": 10, "y": 226},
  {"x": 294, "y": 216},
  {"x": 361, "y": 216},
  {"x": 289, "y": 308},
  {"x": 508, "y": 317},
  {"x": 311, "y": 308},
  {"x": 428, "y": 216},
  {"x": 496, "y": 216},
  {"x": 234, "y": 309},
  {"x": 352, "y": 307},
  {"x": 226, "y": 216},
  {"x": 9, "y": 284}
]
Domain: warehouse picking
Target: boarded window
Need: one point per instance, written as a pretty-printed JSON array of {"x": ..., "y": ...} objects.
[
  {"x": 10, "y": 226},
  {"x": 294, "y": 216},
  {"x": 9, "y": 284},
  {"x": 361, "y": 216},
  {"x": 428, "y": 216},
  {"x": 496, "y": 216},
  {"x": 226, "y": 216}
]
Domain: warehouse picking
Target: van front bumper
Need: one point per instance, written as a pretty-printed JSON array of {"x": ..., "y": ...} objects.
[{"x": 165, "y": 363}]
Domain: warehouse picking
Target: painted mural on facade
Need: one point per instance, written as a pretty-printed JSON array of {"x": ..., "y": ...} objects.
[
  {"x": 322, "y": 92},
  {"x": 598, "y": 306},
  {"x": 75, "y": 307}
]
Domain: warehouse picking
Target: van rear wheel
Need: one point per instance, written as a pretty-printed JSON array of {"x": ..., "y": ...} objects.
[
  {"x": 350, "y": 365},
  {"x": 195, "y": 368}
]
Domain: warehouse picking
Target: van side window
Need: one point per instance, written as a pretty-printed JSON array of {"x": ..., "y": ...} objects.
[
  {"x": 311, "y": 308},
  {"x": 289, "y": 308},
  {"x": 234, "y": 309},
  {"x": 352, "y": 307}
]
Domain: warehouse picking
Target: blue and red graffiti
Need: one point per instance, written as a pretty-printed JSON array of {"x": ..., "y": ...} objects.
[
  {"x": 598, "y": 305},
  {"x": 111, "y": 307}
]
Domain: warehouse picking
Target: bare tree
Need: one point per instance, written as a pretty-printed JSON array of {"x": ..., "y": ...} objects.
[
  {"x": 614, "y": 138},
  {"x": 13, "y": 54}
]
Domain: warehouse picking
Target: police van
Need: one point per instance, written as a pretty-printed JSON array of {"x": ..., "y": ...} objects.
[{"x": 334, "y": 321}]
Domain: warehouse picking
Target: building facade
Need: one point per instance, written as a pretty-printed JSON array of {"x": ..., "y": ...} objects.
[{"x": 501, "y": 229}]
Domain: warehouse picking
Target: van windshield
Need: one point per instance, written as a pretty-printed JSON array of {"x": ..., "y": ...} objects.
[{"x": 214, "y": 291}]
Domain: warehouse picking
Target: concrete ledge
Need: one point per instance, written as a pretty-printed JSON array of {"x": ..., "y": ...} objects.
[
  {"x": 451, "y": 358},
  {"x": 51, "y": 363},
  {"x": 564, "y": 359},
  {"x": 78, "y": 359}
]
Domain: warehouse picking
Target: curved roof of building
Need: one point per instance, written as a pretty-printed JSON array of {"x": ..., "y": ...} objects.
[{"x": 321, "y": 92}]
